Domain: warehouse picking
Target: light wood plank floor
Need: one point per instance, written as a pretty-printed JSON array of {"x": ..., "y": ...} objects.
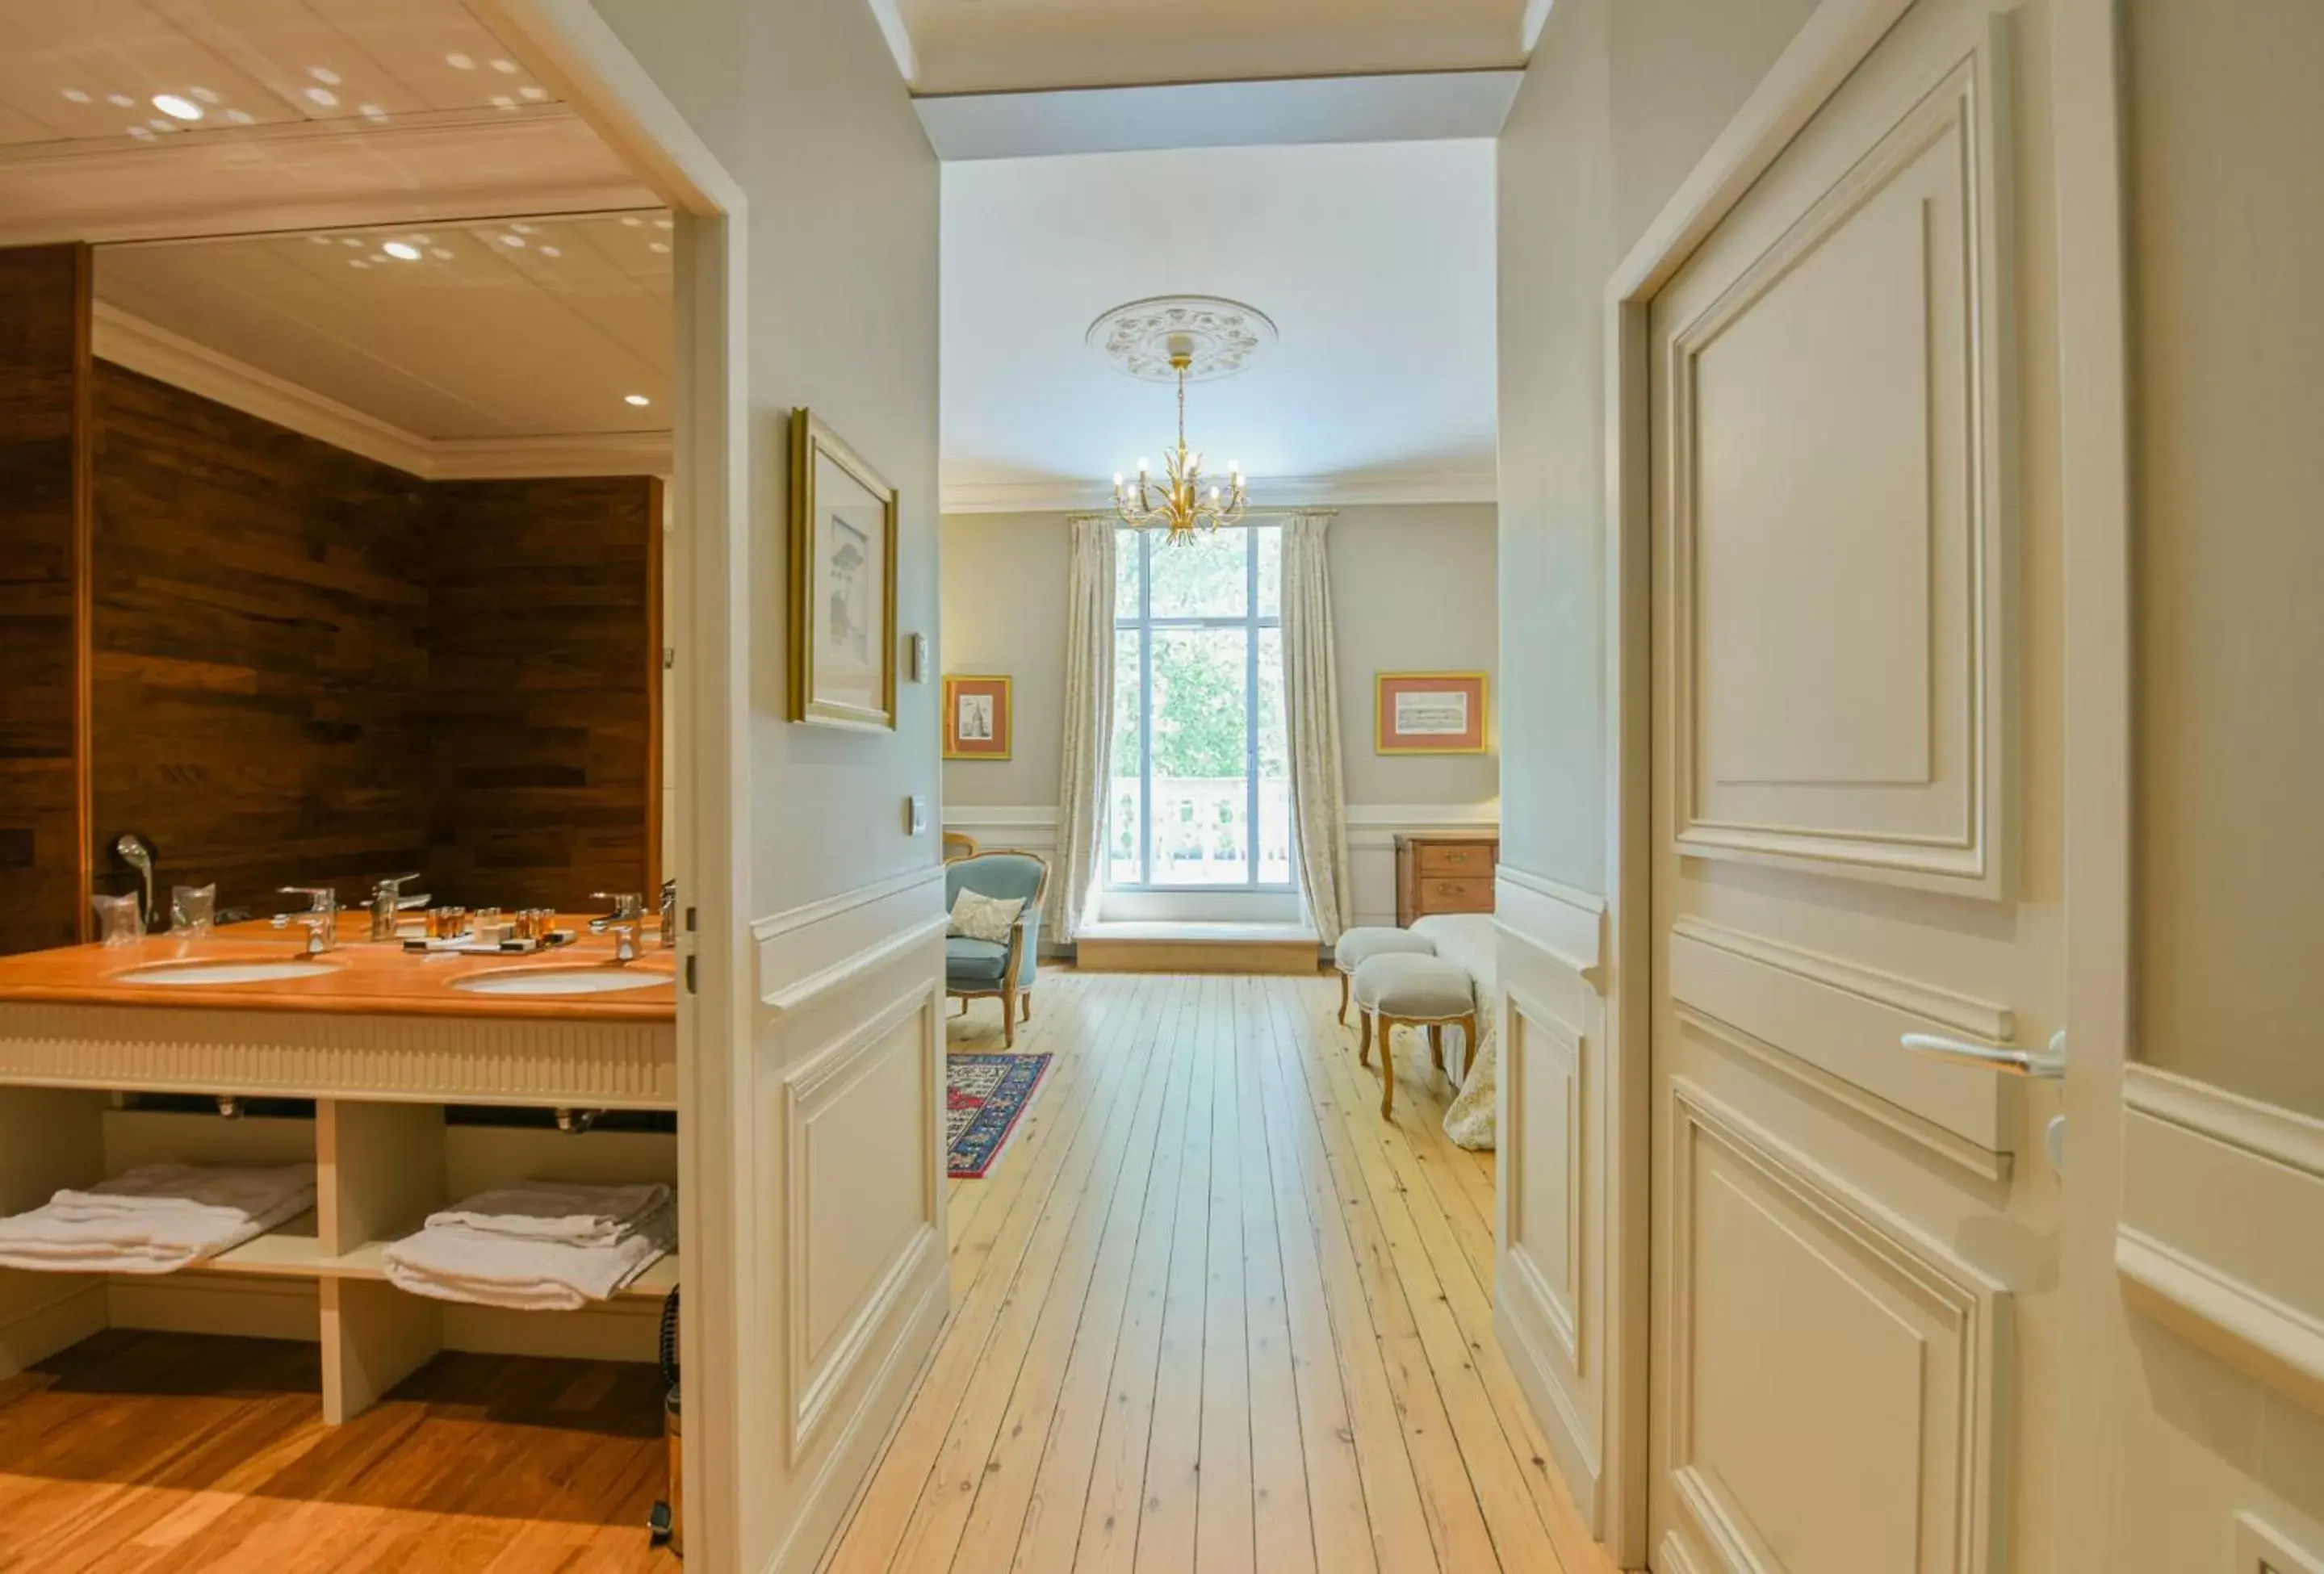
[
  {"x": 1209, "y": 1312},
  {"x": 166, "y": 1454}
]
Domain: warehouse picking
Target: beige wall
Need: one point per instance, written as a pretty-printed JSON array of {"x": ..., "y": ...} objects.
[
  {"x": 2224, "y": 339},
  {"x": 1412, "y": 589},
  {"x": 1618, "y": 104}
]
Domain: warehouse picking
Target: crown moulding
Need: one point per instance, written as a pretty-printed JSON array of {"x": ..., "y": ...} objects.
[
  {"x": 1270, "y": 494},
  {"x": 155, "y": 352}
]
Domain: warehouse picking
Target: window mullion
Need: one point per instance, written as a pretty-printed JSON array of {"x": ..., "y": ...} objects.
[{"x": 1146, "y": 708}]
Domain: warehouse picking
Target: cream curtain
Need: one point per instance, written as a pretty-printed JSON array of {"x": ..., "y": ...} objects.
[
  {"x": 1088, "y": 732},
  {"x": 1311, "y": 693}
]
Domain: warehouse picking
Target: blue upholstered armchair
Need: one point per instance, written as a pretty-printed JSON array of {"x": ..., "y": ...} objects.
[{"x": 977, "y": 968}]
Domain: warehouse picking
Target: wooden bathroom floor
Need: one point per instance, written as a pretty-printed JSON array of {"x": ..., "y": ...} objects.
[
  {"x": 141, "y": 1451},
  {"x": 1209, "y": 1312}
]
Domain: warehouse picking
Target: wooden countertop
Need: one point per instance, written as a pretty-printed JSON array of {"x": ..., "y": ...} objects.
[{"x": 364, "y": 980}]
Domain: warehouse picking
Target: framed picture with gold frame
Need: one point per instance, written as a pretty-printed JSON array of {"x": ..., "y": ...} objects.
[
  {"x": 843, "y": 541},
  {"x": 1428, "y": 713},
  {"x": 978, "y": 717}
]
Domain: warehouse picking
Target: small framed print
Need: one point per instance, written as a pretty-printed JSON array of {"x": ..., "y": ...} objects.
[
  {"x": 978, "y": 717},
  {"x": 843, "y": 583},
  {"x": 1428, "y": 713}
]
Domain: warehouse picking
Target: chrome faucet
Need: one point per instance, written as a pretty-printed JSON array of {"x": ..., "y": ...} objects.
[
  {"x": 624, "y": 922},
  {"x": 321, "y": 918},
  {"x": 669, "y": 915},
  {"x": 387, "y": 900}
]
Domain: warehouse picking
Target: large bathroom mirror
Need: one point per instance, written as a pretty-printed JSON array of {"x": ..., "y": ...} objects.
[{"x": 376, "y": 582}]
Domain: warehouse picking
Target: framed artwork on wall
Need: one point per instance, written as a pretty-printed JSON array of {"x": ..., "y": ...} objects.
[
  {"x": 978, "y": 717},
  {"x": 843, "y": 539},
  {"x": 1428, "y": 713}
]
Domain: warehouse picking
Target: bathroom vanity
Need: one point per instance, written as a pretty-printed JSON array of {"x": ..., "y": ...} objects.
[{"x": 410, "y": 1081}]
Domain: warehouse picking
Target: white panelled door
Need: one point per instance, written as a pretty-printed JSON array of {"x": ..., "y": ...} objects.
[{"x": 1857, "y": 833}]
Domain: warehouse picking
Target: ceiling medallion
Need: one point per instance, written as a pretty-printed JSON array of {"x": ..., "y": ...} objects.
[{"x": 1181, "y": 339}]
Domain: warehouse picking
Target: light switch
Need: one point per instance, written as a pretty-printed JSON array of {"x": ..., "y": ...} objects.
[
  {"x": 916, "y": 814},
  {"x": 916, "y": 661}
]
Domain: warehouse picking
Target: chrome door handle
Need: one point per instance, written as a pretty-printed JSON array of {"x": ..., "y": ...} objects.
[{"x": 2046, "y": 1063}]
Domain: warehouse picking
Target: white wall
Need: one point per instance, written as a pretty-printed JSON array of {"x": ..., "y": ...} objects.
[
  {"x": 1412, "y": 589},
  {"x": 829, "y": 1112}
]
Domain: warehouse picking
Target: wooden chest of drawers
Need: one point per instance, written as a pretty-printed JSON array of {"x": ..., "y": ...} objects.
[{"x": 1444, "y": 872}]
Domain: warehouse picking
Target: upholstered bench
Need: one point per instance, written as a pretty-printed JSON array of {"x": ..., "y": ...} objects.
[
  {"x": 1365, "y": 940},
  {"x": 1399, "y": 989}
]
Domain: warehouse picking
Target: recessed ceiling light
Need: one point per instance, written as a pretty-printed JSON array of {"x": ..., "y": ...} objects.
[
  {"x": 657, "y": 246},
  {"x": 325, "y": 75},
  {"x": 634, "y": 222},
  {"x": 404, "y": 248},
  {"x": 511, "y": 240},
  {"x": 349, "y": 240},
  {"x": 502, "y": 101},
  {"x": 324, "y": 96},
  {"x": 662, "y": 224},
  {"x": 75, "y": 95},
  {"x": 639, "y": 400},
  {"x": 203, "y": 94},
  {"x": 533, "y": 91},
  {"x": 371, "y": 112},
  {"x": 521, "y": 228},
  {"x": 443, "y": 251},
  {"x": 505, "y": 67},
  {"x": 121, "y": 100},
  {"x": 158, "y": 123},
  {"x": 551, "y": 252},
  {"x": 319, "y": 240},
  {"x": 143, "y": 134},
  {"x": 358, "y": 262},
  {"x": 459, "y": 62},
  {"x": 242, "y": 118}
]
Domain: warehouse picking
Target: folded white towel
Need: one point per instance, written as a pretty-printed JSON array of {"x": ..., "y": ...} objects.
[
  {"x": 452, "y": 1262},
  {"x": 577, "y": 1215},
  {"x": 155, "y": 1220}
]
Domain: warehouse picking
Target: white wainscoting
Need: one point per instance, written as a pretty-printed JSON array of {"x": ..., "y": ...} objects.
[
  {"x": 2194, "y": 1158},
  {"x": 1552, "y": 1185},
  {"x": 845, "y": 1290},
  {"x": 1372, "y": 830}
]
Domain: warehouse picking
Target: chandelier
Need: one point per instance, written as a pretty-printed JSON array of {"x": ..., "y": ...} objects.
[
  {"x": 1180, "y": 505},
  {"x": 1181, "y": 339}
]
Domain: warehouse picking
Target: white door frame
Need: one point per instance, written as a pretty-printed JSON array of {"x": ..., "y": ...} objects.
[
  {"x": 572, "y": 51},
  {"x": 1827, "y": 47},
  {"x": 2094, "y": 472}
]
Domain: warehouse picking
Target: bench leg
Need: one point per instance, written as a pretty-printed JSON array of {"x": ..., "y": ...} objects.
[
  {"x": 1343, "y": 999},
  {"x": 1387, "y": 1067},
  {"x": 1363, "y": 1037},
  {"x": 1436, "y": 1044}
]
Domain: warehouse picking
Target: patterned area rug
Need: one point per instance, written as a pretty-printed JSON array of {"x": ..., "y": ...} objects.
[{"x": 984, "y": 1096}]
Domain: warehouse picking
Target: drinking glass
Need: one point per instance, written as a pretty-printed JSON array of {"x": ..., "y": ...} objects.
[
  {"x": 119, "y": 922},
  {"x": 192, "y": 909}
]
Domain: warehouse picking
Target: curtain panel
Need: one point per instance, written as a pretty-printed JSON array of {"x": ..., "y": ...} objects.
[
  {"x": 1311, "y": 697},
  {"x": 1088, "y": 732}
]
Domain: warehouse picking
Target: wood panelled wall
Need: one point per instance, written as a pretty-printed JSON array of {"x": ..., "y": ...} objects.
[
  {"x": 261, "y": 650},
  {"x": 44, "y": 312},
  {"x": 288, "y": 665},
  {"x": 543, "y": 665}
]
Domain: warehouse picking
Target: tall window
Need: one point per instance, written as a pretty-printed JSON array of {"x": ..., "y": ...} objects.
[{"x": 1201, "y": 793}]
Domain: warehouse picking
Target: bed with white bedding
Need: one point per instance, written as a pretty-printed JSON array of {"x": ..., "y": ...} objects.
[{"x": 1466, "y": 940}]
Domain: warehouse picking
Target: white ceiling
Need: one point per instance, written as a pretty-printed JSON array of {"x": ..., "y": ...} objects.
[
  {"x": 1376, "y": 263},
  {"x": 499, "y": 330},
  {"x": 982, "y": 46},
  {"x": 89, "y": 70}
]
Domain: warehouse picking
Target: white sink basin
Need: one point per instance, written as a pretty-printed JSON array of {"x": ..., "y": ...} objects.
[
  {"x": 222, "y": 973},
  {"x": 559, "y": 980}
]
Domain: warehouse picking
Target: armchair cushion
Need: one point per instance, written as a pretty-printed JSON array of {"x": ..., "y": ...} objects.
[{"x": 975, "y": 963}]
